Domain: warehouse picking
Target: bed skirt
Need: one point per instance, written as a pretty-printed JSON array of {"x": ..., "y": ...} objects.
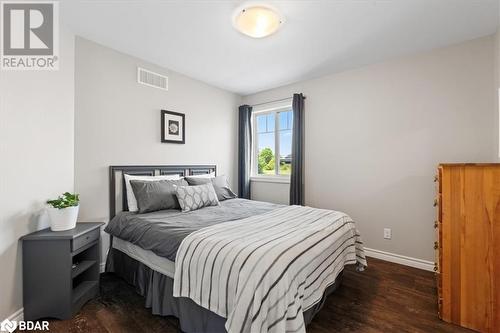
[{"x": 157, "y": 289}]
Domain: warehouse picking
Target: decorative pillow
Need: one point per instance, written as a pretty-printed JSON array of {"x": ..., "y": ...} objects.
[
  {"x": 196, "y": 197},
  {"x": 159, "y": 195},
  {"x": 131, "y": 201},
  {"x": 220, "y": 183}
]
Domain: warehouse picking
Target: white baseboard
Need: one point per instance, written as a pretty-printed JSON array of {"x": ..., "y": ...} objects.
[
  {"x": 400, "y": 259},
  {"x": 16, "y": 316}
]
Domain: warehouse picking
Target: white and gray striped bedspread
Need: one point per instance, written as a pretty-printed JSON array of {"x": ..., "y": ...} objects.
[{"x": 263, "y": 271}]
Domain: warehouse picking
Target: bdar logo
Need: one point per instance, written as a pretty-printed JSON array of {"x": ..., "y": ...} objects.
[
  {"x": 8, "y": 326},
  {"x": 11, "y": 325},
  {"x": 29, "y": 35}
]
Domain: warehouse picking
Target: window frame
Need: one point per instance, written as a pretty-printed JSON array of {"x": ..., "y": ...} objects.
[{"x": 266, "y": 109}]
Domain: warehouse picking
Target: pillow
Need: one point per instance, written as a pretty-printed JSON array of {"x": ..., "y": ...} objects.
[
  {"x": 196, "y": 197},
  {"x": 159, "y": 195},
  {"x": 205, "y": 175},
  {"x": 220, "y": 183},
  {"x": 131, "y": 202}
]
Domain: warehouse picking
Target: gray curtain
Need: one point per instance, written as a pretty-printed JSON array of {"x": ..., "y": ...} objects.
[
  {"x": 296, "y": 177},
  {"x": 244, "y": 150}
]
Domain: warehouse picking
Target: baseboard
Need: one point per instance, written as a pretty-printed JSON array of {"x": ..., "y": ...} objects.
[
  {"x": 16, "y": 316},
  {"x": 399, "y": 259}
]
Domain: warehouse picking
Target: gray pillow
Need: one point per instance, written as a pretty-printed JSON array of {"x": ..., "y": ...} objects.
[
  {"x": 220, "y": 183},
  {"x": 196, "y": 197},
  {"x": 156, "y": 195}
]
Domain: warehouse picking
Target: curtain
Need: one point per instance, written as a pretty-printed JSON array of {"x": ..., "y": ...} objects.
[
  {"x": 244, "y": 151},
  {"x": 296, "y": 177}
]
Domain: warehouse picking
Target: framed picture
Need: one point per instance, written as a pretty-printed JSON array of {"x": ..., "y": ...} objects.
[{"x": 173, "y": 127}]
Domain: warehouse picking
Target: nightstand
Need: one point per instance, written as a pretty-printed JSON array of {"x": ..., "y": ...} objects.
[{"x": 60, "y": 270}]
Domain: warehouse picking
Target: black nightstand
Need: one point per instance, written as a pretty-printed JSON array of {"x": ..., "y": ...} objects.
[{"x": 60, "y": 270}]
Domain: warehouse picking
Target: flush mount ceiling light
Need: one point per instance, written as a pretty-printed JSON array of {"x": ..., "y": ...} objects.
[{"x": 257, "y": 21}]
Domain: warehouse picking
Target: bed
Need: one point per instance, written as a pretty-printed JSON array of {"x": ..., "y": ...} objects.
[{"x": 242, "y": 266}]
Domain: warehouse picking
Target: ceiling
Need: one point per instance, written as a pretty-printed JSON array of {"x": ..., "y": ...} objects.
[{"x": 196, "y": 37}]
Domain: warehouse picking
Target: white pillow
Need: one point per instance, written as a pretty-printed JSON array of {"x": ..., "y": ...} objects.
[{"x": 131, "y": 200}]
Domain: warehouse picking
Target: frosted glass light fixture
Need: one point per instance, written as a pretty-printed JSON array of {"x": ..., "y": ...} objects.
[{"x": 257, "y": 21}]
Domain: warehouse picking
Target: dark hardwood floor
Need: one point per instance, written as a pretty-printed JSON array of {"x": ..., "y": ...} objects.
[{"x": 385, "y": 298}]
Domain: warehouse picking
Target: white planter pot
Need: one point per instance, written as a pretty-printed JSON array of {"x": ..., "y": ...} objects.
[{"x": 63, "y": 219}]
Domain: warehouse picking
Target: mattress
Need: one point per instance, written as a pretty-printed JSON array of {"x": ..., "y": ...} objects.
[
  {"x": 148, "y": 258},
  {"x": 163, "y": 231}
]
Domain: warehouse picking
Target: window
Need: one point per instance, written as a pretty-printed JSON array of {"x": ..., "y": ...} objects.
[{"x": 272, "y": 133}]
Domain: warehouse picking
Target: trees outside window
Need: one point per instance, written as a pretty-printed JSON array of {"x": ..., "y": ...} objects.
[{"x": 273, "y": 136}]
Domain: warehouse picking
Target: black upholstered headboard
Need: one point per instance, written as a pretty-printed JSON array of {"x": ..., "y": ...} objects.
[{"x": 118, "y": 193}]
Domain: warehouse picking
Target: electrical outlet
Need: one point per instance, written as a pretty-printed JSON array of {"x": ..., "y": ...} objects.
[{"x": 387, "y": 233}]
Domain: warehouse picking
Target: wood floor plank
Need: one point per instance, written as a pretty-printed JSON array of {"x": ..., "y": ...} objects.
[{"x": 385, "y": 298}]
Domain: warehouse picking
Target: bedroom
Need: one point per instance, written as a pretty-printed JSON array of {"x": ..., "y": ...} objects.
[{"x": 379, "y": 93}]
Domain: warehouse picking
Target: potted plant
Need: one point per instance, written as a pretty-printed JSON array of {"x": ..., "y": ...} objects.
[{"x": 63, "y": 211}]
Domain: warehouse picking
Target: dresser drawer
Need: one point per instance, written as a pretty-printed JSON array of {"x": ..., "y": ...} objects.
[{"x": 85, "y": 239}]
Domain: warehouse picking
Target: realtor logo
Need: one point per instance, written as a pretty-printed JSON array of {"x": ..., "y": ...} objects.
[
  {"x": 30, "y": 35},
  {"x": 8, "y": 326},
  {"x": 11, "y": 325}
]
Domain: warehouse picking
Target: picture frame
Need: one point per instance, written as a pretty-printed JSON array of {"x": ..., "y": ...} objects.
[{"x": 173, "y": 127}]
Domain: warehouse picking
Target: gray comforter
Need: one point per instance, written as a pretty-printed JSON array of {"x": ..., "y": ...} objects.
[{"x": 163, "y": 231}]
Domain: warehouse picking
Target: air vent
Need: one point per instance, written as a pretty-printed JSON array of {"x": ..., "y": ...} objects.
[{"x": 152, "y": 79}]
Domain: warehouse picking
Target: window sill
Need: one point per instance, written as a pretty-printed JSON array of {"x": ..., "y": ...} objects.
[{"x": 271, "y": 179}]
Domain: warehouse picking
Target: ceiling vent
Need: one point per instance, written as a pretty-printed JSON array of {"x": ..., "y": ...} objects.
[{"x": 152, "y": 79}]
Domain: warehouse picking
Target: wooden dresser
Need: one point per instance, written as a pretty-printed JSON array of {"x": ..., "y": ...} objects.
[{"x": 468, "y": 245}]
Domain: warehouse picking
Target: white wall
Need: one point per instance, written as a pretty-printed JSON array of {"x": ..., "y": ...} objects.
[
  {"x": 374, "y": 136},
  {"x": 274, "y": 192},
  {"x": 117, "y": 122},
  {"x": 36, "y": 155}
]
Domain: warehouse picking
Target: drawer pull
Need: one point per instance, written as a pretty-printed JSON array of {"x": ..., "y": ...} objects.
[{"x": 435, "y": 245}]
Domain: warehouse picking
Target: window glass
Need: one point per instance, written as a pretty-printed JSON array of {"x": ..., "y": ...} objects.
[
  {"x": 261, "y": 124},
  {"x": 270, "y": 122},
  {"x": 266, "y": 161},
  {"x": 285, "y": 142},
  {"x": 286, "y": 120},
  {"x": 271, "y": 143}
]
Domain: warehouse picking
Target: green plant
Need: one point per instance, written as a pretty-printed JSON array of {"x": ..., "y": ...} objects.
[
  {"x": 65, "y": 200},
  {"x": 285, "y": 168},
  {"x": 270, "y": 165},
  {"x": 265, "y": 156}
]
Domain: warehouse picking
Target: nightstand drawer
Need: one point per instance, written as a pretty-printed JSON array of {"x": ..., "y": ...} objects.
[{"x": 85, "y": 239}]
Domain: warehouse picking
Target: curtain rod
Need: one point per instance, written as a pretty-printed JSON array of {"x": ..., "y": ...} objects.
[{"x": 277, "y": 100}]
